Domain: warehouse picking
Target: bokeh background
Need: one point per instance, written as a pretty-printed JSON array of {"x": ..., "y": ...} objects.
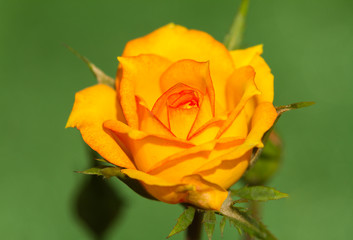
[{"x": 308, "y": 45}]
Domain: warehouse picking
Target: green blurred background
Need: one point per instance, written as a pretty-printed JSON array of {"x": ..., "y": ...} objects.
[{"x": 308, "y": 45}]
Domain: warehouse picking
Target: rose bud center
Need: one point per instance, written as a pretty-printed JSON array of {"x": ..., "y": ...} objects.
[{"x": 185, "y": 99}]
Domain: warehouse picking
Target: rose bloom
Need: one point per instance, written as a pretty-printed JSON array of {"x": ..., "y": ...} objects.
[{"x": 184, "y": 117}]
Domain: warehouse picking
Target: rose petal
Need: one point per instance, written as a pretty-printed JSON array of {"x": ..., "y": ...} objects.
[
  {"x": 263, "y": 78},
  {"x": 176, "y": 42},
  {"x": 147, "y": 149},
  {"x": 148, "y": 123},
  {"x": 228, "y": 172},
  {"x": 186, "y": 162},
  {"x": 240, "y": 89},
  {"x": 140, "y": 77},
  {"x": 243, "y": 57},
  {"x": 239, "y": 127},
  {"x": 191, "y": 73},
  {"x": 192, "y": 189},
  {"x": 204, "y": 118},
  {"x": 92, "y": 107},
  {"x": 160, "y": 108},
  {"x": 263, "y": 119},
  {"x": 207, "y": 195}
]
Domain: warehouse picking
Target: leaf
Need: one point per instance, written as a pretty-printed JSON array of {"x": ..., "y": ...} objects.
[
  {"x": 244, "y": 221},
  {"x": 235, "y": 224},
  {"x": 285, "y": 108},
  {"x": 209, "y": 221},
  {"x": 184, "y": 221},
  {"x": 222, "y": 224},
  {"x": 98, "y": 73},
  {"x": 259, "y": 193},
  {"x": 235, "y": 35}
]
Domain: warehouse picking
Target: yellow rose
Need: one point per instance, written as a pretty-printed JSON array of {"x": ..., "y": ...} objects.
[{"x": 184, "y": 117}]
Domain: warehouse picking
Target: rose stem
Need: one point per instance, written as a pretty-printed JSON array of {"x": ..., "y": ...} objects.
[
  {"x": 254, "y": 209},
  {"x": 194, "y": 230}
]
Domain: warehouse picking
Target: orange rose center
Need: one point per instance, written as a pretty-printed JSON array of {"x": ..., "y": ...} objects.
[{"x": 185, "y": 99}]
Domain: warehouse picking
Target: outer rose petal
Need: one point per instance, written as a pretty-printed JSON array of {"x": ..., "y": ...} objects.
[
  {"x": 263, "y": 78},
  {"x": 176, "y": 42},
  {"x": 92, "y": 107},
  {"x": 140, "y": 77},
  {"x": 228, "y": 172},
  {"x": 243, "y": 57},
  {"x": 191, "y": 189},
  {"x": 186, "y": 162},
  {"x": 146, "y": 149}
]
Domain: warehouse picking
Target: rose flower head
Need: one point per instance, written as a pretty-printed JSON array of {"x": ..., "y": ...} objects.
[{"x": 184, "y": 117}]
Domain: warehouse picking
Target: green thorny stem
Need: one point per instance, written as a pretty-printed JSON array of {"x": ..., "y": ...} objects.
[
  {"x": 193, "y": 232},
  {"x": 234, "y": 37}
]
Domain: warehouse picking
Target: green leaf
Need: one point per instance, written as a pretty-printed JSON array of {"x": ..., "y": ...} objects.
[
  {"x": 184, "y": 221},
  {"x": 285, "y": 108},
  {"x": 209, "y": 221},
  {"x": 259, "y": 193},
  {"x": 235, "y": 35},
  {"x": 98, "y": 73},
  {"x": 236, "y": 225},
  {"x": 244, "y": 221},
  {"x": 222, "y": 224}
]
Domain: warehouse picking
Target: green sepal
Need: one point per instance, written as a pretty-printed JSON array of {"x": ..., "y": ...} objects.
[
  {"x": 293, "y": 106},
  {"x": 209, "y": 221},
  {"x": 184, "y": 220},
  {"x": 266, "y": 165},
  {"x": 244, "y": 221},
  {"x": 234, "y": 37},
  {"x": 98, "y": 73},
  {"x": 280, "y": 110},
  {"x": 258, "y": 193},
  {"x": 222, "y": 224},
  {"x": 108, "y": 172}
]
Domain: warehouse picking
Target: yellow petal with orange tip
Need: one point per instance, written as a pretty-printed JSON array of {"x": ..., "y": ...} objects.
[
  {"x": 207, "y": 195},
  {"x": 264, "y": 78},
  {"x": 228, "y": 172},
  {"x": 140, "y": 77},
  {"x": 148, "y": 123},
  {"x": 172, "y": 97},
  {"x": 165, "y": 191},
  {"x": 147, "y": 149},
  {"x": 186, "y": 162},
  {"x": 191, "y": 189},
  {"x": 240, "y": 89},
  {"x": 191, "y": 73},
  {"x": 176, "y": 42},
  {"x": 263, "y": 119},
  {"x": 238, "y": 128},
  {"x": 92, "y": 107}
]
